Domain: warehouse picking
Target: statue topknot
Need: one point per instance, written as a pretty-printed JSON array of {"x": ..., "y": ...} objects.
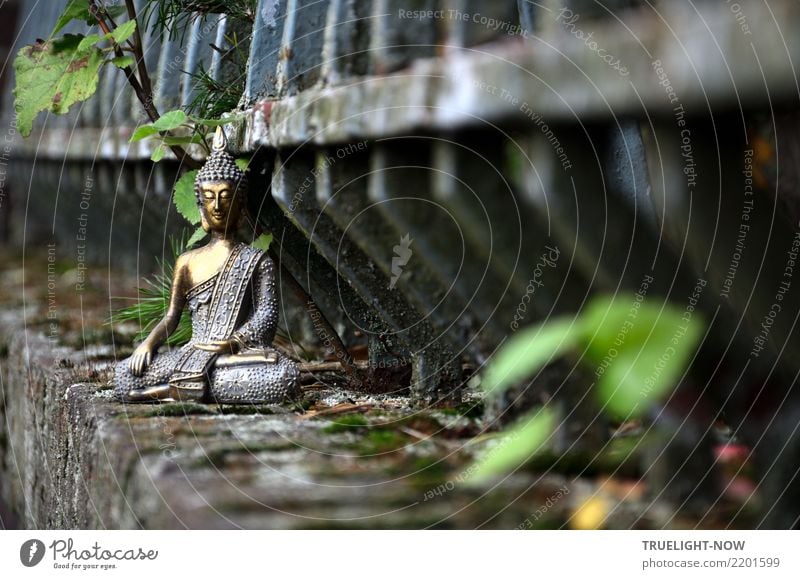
[{"x": 220, "y": 166}]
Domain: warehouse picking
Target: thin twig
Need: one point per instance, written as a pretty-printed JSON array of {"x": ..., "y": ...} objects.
[
  {"x": 329, "y": 366},
  {"x": 145, "y": 97},
  {"x": 138, "y": 52},
  {"x": 339, "y": 348},
  {"x": 343, "y": 408},
  {"x": 320, "y": 367}
]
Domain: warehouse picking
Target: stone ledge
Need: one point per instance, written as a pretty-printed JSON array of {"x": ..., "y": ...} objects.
[{"x": 74, "y": 458}]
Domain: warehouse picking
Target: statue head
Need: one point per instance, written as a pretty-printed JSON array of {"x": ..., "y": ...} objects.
[{"x": 221, "y": 189}]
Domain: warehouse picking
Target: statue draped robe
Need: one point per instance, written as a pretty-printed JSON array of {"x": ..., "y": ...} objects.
[{"x": 239, "y": 302}]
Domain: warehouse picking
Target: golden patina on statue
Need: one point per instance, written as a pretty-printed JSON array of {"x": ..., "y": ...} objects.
[{"x": 230, "y": 290}]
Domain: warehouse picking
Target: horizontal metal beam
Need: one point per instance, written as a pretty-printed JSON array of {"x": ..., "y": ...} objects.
[
  {"x": 703, "y": 57},
  {"x": 710, "y": 56}
]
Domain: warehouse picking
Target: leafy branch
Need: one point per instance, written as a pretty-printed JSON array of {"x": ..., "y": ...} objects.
[
  {"x": 56, "y": 73},
  {"x": 141, "y": 86}
]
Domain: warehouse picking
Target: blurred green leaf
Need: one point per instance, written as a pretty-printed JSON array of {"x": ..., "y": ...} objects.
[
  {"x": 170, "y": 120},
  {"x": 184, "y": 198},
  {"x": 529, "y": 350},
  {"x": 122, "y": 61},
  {"x": 124, "y": 31},
  {"x": 90, "y": 41},
  {"x": 519, "y": 444},
  {"x": 619, "y": 322},
  {"x": 158, "y": 153},
  {"x": 640, "y": 353},
  {"x": 243, "y": 162},
  {"x": 263, "y": 241},
  {"x": 142, "y": 132},
  {"x": 187, "y": 140},
  {"x": 198, "y": 235}
]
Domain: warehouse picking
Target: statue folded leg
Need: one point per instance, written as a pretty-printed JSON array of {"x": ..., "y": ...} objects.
[
  {"x": 259, "y": 377},
  {"x": 237, "y": 380},
  {"x": 130, "y": 388}
]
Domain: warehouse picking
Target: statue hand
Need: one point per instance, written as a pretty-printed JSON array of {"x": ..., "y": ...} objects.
[
  {"x": 140, "y": 359},
  {"x": 220, "y": 346}
]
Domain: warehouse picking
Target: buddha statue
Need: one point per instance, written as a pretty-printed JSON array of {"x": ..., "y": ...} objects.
[{"x": 230, "y": 290}]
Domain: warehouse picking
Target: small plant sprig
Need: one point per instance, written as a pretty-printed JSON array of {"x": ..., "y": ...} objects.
[
  {"x": 639, "y": 355},
  {"x": 173, "y": 16},
  {"x": 153, "y": 300},
  {"x": 193, "y": 130}
]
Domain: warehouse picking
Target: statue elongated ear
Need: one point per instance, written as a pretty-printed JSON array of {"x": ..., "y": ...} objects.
[
  {"x": 203, "y": 219},
  {"x": 241, "y": 219}
]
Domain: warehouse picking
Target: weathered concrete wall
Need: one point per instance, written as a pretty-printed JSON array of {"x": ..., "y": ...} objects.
[{"x": 76, "y": 459}]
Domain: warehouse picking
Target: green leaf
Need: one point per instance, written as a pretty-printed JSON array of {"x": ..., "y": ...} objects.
[
  {"x": 119, "y": 34},
  {"x": 158, "y": 153},
  {"x": 196, "y": 237},
  {"x": 262, "y": 242},
  {"x": 75, "y": 10},
  {"x": 90, "y": 41},
  {"x": 188, "y": 140},
  {"x": 518, "y": 445},
  {"x": 142, "y": 132},
  {"x": 170, "y": 120},
  {"x": 639, "y": 354},
  {"x": 529, "y": 350},
  {"x": 124, "y": 31},
  {"x": 52, "y": 76},
  {"x": 618, "y": 322},
  {"x": 122, "y": 61},
  {"x": 184, "y": 199},
  {"x": 217, "y": 122},
  {"x": 79, "y": 10},
  {"x": 243, "y": 162}
]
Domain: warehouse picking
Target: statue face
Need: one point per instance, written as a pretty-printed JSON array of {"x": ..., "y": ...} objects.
[{"x": 219, "y": 206}]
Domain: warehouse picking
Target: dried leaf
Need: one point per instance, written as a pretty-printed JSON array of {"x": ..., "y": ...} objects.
[{"x": 52, "y": 76}]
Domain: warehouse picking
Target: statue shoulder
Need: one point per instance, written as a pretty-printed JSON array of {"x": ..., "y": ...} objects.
[
  {"x": 184, "y": 259},
  {"x": 253, "y": 252}
]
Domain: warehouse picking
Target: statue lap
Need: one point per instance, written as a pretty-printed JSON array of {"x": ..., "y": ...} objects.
[{"x": 270, "y": 383}]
